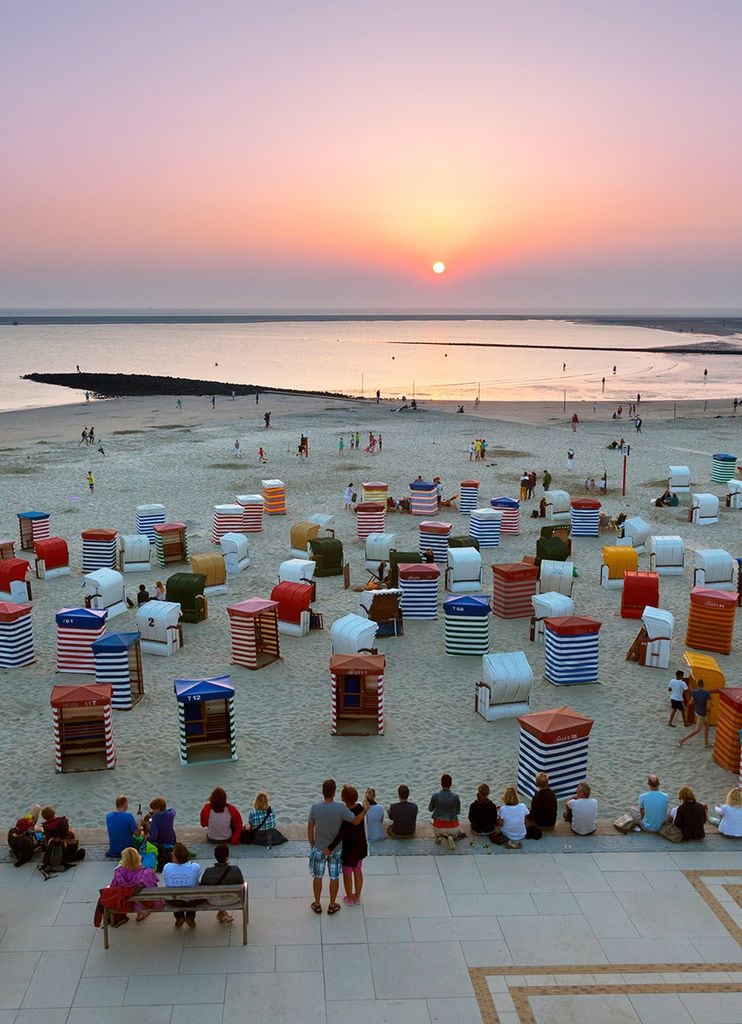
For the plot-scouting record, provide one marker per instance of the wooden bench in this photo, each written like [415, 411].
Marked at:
[201, 898]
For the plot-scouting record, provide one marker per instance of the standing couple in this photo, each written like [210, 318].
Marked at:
[337, 841]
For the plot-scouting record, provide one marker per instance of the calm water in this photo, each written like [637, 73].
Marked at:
[360, 357]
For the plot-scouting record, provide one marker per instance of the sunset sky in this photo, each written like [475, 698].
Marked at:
[561, 154]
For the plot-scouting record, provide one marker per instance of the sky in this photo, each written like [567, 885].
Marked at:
[554, 154]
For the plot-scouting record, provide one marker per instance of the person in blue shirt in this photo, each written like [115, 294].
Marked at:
[121, 826]
[701, 700]
[653, 806]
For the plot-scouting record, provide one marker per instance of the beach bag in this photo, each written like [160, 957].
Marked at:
[533, 832]
[269, 837]
[669, 830]
[246, 836]
[625, 823]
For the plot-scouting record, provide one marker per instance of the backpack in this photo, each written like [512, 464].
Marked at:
[59, 855]
[53, 860]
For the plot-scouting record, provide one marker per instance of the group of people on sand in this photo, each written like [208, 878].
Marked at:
[478, 449]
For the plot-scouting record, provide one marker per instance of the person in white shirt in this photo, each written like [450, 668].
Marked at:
[730, 814]
[676, 688]
[582, 811]
[511, 818]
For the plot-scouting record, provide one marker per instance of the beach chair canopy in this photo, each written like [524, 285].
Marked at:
[184, 587]
[465, 564]
[83, 695]
[379, 545]
[115, 642]
[658, 622]
[301, 534]
[328, 554]
[105, 583]
[353, 634]
[509, 677]
[12, 569]
[154, 618]
[552, 604]
[293, 599]
[296, 570]
[211, 565]
[205, 688]
[234, 543]
[53, 551]
[81, 618]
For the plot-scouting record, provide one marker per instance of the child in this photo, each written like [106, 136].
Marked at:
[91, 481]
[261, 455]
[353, 838]
[348, 497]
[146, 850]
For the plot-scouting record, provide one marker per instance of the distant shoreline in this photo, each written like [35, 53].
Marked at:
[717, 326]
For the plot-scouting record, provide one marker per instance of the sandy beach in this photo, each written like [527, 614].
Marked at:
[185, 460]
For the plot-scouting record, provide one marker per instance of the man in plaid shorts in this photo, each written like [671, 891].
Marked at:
[323, 824]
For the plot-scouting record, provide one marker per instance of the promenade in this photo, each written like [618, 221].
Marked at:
[616, 928]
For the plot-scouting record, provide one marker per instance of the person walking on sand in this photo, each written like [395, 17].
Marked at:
[83, 436]
[570, 459]
[358, 440]
[261, 455]
[603, 384]
[91, 481]
[676, 688]
[213, 401]
[237, 449]
[178, 404]
[100, 448]
[341, 445]
[87, 396]
[638, 424]
[267, 420]
[701, 700]
[575, 421]
[348, 497]
[91, 435]
[379, 440]
[547, 480]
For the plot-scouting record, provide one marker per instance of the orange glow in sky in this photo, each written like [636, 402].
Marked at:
[247, 158]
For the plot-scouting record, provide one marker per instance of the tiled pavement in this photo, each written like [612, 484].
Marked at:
[651, 934]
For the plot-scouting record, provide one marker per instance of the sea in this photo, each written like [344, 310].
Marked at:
[452, 360]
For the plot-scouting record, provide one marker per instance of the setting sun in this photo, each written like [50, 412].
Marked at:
[438, 267]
